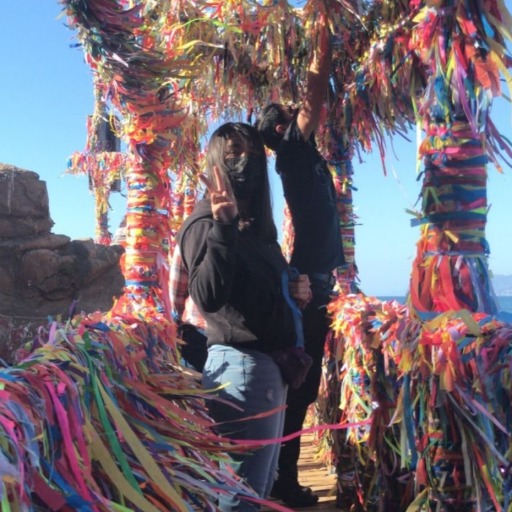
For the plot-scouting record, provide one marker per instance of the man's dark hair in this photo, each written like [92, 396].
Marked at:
[266, 122]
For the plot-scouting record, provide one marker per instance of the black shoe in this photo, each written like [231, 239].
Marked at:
[294, 495]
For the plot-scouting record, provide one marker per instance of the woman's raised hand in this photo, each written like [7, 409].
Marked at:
[224, 207]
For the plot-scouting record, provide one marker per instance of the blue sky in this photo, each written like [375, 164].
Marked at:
[46, 95]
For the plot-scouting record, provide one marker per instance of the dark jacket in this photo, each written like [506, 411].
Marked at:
[235, 280]
[310, 194]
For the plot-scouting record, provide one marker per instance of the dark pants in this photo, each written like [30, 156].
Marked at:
[316, 326]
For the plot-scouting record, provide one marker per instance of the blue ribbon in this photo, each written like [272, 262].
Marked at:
[288, 275]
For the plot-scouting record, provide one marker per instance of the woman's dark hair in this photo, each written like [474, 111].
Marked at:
[266, 122]
[215, 156]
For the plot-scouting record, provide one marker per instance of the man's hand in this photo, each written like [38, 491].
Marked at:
[322, 47]
[317, 81]
[300, 290]
[224, 207]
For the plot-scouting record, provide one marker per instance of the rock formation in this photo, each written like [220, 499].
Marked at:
[42, 274]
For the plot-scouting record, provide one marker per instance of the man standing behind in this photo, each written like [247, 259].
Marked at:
[317, 249]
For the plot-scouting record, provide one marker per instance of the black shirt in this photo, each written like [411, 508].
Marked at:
[311, 197]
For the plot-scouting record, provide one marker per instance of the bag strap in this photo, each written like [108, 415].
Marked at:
[287, 275]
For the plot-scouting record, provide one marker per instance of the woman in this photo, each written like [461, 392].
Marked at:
[229, 245]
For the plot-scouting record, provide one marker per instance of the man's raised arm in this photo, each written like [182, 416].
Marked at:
[317, 80]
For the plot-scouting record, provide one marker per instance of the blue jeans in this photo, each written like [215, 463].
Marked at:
[255, 385]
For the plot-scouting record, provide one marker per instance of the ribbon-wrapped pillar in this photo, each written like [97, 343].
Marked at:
[450, 272]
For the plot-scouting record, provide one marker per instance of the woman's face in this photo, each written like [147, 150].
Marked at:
[244, 168]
